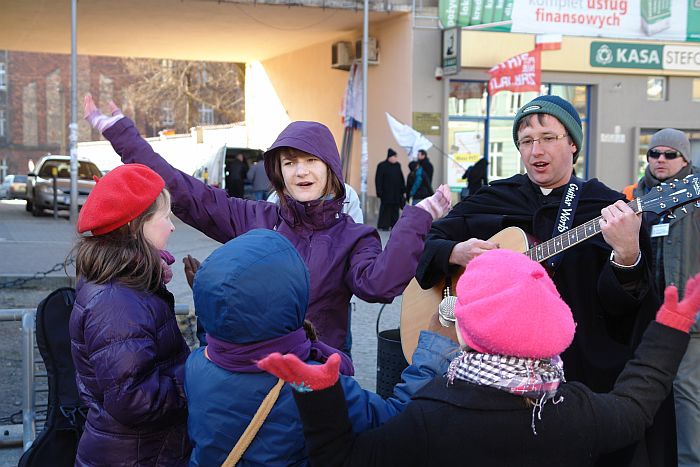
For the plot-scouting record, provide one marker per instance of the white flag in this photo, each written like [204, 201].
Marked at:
[408, 138]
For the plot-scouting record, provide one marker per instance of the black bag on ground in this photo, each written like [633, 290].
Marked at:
[57, 444]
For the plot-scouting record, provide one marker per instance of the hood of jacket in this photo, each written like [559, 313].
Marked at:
[253, 288]
[316, 139]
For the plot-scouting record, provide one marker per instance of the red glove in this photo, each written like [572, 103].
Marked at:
[302, 376]
[681, 315]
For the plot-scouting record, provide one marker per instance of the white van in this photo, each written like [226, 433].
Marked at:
[214, 171]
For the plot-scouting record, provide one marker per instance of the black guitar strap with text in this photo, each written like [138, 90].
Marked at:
[565, 217]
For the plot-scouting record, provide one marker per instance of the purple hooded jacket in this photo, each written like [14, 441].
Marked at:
[129, 357]
[344, 258]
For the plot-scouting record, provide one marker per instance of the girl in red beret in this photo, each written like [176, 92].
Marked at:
[127, 348]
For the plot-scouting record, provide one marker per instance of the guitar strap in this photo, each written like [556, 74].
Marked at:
[565, 217]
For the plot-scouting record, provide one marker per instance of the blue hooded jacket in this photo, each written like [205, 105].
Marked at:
[256, 288]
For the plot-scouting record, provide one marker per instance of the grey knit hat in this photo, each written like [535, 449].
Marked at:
[672, 138]
[557, 107]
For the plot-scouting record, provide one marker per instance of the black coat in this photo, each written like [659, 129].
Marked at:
[389, 183]
[465, 424]
[428, 168]
[476, 176]
[424, 188]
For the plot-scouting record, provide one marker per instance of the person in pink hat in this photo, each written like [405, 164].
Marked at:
[128, 351]
[504, 400]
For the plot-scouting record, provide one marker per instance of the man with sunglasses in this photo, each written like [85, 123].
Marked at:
[676, 257]
[605, 280]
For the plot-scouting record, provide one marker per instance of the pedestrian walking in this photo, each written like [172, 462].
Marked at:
[258, 178]
[390, 187]
[128, 351]
[476, 176]
[417, 183]
[236, 172]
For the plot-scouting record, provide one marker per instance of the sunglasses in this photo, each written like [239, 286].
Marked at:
[669, 155]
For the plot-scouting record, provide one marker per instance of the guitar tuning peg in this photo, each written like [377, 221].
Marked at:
[670, 216]
[684, 210]
[697, 204]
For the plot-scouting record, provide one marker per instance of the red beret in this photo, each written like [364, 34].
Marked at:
[118, 198]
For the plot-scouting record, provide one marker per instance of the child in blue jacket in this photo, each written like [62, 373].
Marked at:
[246, 319]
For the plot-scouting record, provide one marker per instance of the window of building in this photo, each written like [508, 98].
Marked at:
[168, 116]
[203, 76]
[3, 76]
[3, 123]
[696, 89]
[30, 126]
[656, 88]
[482, 125]
[54, 108]
[206, 115]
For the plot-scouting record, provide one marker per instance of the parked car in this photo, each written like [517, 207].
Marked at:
[39, 192]
[13, 187]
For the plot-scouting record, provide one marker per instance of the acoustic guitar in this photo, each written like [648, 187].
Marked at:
[419, 305]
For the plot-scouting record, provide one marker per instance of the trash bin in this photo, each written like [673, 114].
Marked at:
[390, 359]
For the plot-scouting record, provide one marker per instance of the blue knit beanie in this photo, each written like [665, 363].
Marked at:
[557, 107]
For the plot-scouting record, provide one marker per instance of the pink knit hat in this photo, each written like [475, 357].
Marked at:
[508, 305]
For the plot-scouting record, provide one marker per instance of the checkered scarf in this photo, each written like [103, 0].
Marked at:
[537, 379]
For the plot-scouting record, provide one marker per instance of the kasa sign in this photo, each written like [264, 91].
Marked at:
[644, 56]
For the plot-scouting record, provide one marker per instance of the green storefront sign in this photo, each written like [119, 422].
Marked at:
[626, 55]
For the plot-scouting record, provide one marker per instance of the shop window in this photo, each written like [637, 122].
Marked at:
[3, 122]
[3, 76]
[472, 123]
[466, 147]
[574, 94]
[656, 88]
[507, 104]
[467, 99]
[696, 89]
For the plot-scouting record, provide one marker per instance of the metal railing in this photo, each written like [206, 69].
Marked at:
[29, 373]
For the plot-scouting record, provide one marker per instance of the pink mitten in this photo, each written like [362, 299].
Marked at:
[96, 119]
[439, 204]
[681, 315]
[302, 376]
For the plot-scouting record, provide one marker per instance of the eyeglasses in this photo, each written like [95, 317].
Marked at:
[669, 155]
[546, 140]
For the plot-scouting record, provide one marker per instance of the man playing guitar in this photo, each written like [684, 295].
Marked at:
[605, 280]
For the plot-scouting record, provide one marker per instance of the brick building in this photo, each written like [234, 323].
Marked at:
[35, 103]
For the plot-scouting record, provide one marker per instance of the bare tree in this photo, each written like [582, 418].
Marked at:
[182, 94]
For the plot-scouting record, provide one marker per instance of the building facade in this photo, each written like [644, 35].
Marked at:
[35, 101]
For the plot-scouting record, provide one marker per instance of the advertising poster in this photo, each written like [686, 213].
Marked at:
[662, 20]
[468, 150]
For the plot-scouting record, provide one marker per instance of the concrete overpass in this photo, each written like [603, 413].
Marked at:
[286, 45]
[220, 30]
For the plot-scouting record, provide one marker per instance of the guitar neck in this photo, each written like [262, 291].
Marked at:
[556, 245]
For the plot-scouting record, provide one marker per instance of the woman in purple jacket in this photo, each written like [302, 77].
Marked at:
[343, 258]
[128, 351]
